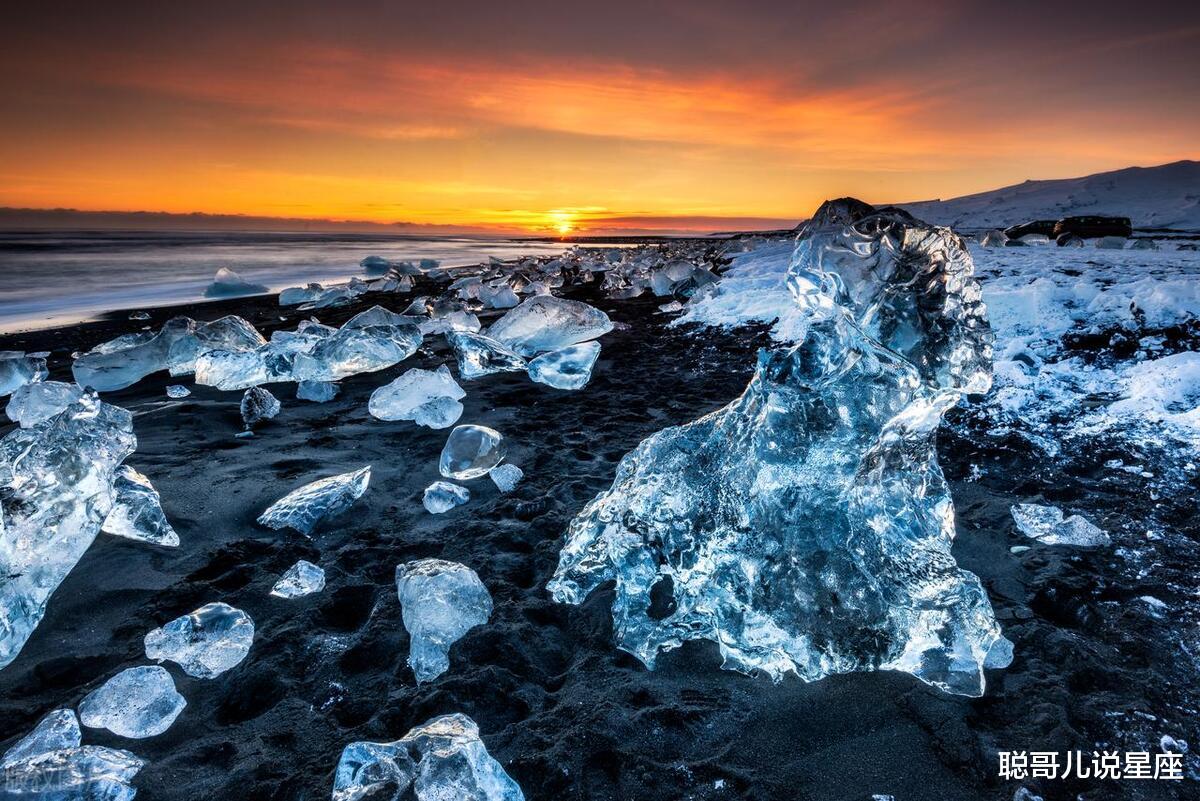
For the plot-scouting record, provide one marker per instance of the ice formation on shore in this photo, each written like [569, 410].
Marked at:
[440, 601]
[567, 368]
[302, 578]
[138, 702]
[1049, 526]
[18, 369]
[57, 480]
[470, 451]
[137, 512]
[807, 526]
[205, 643]
[477, 355]
[506, 477]
[52, 757]
[442, 496]
[442, 759]
[257, 405]
[32, 403]
[544, 323]
[303, 508]
[228, 284]
[427, 397]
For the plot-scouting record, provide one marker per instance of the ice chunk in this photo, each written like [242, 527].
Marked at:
[478, 355]
[568, 368]
[137, 511]
[32, 403]
[1047, 525]
[232, 370]
[138, 702]
[357, 350]
[470, 451]
[258, 405]
[57, 731]
[506, 477]
[228, 284]
[302, 578]
[429, 397]
[498, 297]
[230, 333]
[18, 369]
[442, 496]
[441, 601]
[176, 391]
[205, 643]
[376, 316]
[295, 295]
[317, 391]
[375, 265]
[443, 759]
[544, 323]
[57, 480]
[807, 526]
[303, 508]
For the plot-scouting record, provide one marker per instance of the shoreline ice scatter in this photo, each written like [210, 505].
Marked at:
[177, 391]
[206, 643]
[478, 355]
[1047, 525]
[443, 759]
[568, 368]
[317, 391]
[228, 284]
[442, 496]
[544, 322]
[302, 578]
[257, 405]
[798, 540]
[136, 703]
[18, 369]
[32, 403]
[440, 602]
[470, 451]
[51, 757]
[58, 479]
[506, 477]
[304, 508]
[137, 512]
[427, 397]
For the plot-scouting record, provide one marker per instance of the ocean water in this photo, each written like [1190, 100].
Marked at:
[50, 278]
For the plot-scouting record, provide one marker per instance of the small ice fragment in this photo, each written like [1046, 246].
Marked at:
[244, 435]
[1047, 525]
[227, 284]
[57, 731]
[32, 403]
[506, 476]
[139, 315]
[366, 768]
[544, 323]
[407, 397]
[51, 758]
[1022, 794]
[442, 496]
[302, 578]
[205, 643]
[440, 601]
[303, 508]
[137, 702]
[1169, 744]
[478, 355]
[375, 265]
[670, 308]
[177, 391]
[470, 451]
[317, 391]
[137, 511]
[568, 368]
[258, 405]
[18, 369]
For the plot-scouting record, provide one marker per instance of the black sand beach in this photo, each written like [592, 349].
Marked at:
[566, 714]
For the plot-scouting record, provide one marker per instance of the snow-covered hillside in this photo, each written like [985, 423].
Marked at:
[1167, 196]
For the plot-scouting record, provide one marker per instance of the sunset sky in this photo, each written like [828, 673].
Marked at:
[554, 115]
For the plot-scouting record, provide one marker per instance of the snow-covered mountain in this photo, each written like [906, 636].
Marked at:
[1167, 196]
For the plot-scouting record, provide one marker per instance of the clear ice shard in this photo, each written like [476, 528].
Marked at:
[302, 578]
[545, 322]
[470, 451]
[317, 391]
[1047, 525]
[137, 511]
[32, 403]
[477, 355]
[57, 487]
[442, 496]
[228, 284]
[443, 759]
[807, 526]
[568, 368]
[49, 764]
[205, 643]
[506, 477]
[357, 349]
[18, 369]
[138, 702]
[303, 508]
[410, 396]
[440, 602]
[177, 391]
[258, 405]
